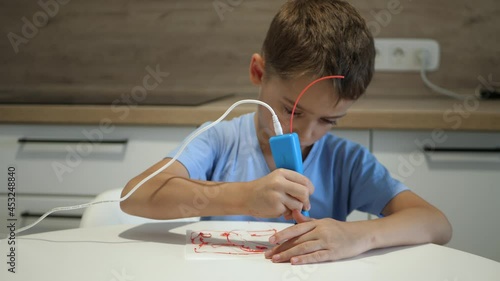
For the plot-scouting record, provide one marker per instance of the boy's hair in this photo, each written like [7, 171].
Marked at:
[320, 38]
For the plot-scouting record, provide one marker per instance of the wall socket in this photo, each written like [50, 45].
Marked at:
[399, 54]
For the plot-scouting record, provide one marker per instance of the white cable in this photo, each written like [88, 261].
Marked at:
[277, 128]
[424, 56]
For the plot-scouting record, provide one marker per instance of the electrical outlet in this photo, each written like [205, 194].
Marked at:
[398, 54]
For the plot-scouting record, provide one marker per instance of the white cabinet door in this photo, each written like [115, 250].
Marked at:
[362, 137]
[461, 177]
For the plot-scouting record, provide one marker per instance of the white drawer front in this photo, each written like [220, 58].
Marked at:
[81, 168]
[358, 136]
[463, 180]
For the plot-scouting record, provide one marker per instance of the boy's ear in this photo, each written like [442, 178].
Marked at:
[256, 69]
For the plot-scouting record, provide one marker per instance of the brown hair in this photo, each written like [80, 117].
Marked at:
[320, 38]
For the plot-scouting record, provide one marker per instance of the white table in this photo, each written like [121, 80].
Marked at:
[156, 251]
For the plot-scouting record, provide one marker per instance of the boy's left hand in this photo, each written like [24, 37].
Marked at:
[313, 241]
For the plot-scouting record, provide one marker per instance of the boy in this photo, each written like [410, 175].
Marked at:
[307, 39]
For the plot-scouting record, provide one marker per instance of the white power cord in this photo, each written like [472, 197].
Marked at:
[424, 59]
[277, 129]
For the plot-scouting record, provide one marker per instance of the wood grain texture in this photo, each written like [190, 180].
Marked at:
[92, 46]
[368, 113]
[466, 31]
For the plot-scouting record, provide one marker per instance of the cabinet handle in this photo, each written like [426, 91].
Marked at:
[59, 216]
[41, 140]
[462, 150]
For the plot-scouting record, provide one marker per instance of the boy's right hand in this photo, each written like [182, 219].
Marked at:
[277, 194]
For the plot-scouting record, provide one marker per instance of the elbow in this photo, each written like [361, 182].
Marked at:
[127, 205]
[446, 230]
[448, 233]
[135, 204]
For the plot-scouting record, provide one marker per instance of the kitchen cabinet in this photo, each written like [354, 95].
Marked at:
[59, 165]
[458, 172]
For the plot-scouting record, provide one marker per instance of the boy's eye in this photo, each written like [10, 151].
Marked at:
[289, 111]
[329, 122]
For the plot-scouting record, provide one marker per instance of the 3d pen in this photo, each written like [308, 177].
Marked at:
[287, 154]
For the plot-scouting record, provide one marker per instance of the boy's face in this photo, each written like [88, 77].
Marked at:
[315, 115]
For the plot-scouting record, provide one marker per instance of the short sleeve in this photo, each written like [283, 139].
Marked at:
[199, 155]
[371, 184]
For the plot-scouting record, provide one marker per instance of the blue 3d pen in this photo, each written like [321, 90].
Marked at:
[287, 154]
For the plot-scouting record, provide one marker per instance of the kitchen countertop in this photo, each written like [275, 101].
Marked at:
[367, 113]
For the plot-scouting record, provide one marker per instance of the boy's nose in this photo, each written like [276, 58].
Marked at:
[305, 134]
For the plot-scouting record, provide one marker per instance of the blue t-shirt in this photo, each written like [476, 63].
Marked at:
[346, 176]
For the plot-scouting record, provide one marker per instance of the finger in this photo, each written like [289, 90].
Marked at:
[291, 203]
[282, 247]
[297, 250]
[299, 217]
[297, 178]
[292, 232]
[290, 243]
[269, 253]
[298, 193]
[288, 215]
[314, 257]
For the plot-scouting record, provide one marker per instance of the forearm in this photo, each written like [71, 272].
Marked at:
[167, 196]
[410, 226]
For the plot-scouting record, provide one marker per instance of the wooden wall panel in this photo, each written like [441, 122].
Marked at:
[468, 34]
[92, 46]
